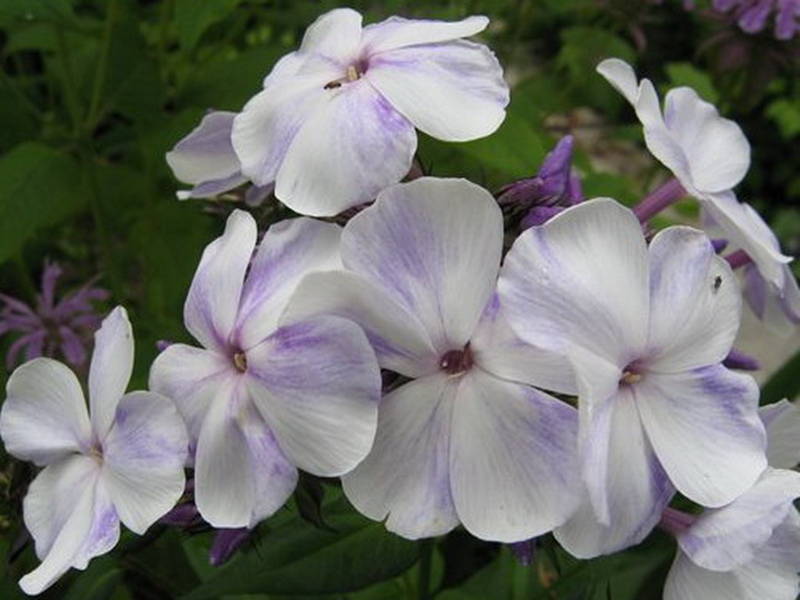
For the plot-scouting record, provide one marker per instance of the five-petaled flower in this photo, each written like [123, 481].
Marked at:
[264, 395]
[122, 461]
[334, 124]
[468, 440]
[645, 330]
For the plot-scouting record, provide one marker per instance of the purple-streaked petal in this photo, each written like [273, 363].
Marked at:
[513, 459]
[264, 130]
[206, 154]
[317, 384]
[746, 230]
[704, 427]
[695, 302]
[452, 91]
[143, 458]
[44, 416]
[717, 151]
[215, 187]
[288, 251]
[256, 194]
[60, 510]
[354, 145]
[580, 280]
[780, 307]
[241, 474]
[782, 421]
[637, 489]
[434, 246]
[110, 370]
[191, 377]
[729, 537]
[499, 351]
[397, 32]
[400, 341]
[405, 480]
[213, 300]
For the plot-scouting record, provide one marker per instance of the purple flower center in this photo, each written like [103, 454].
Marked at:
[240, 361]
[632, 374]
[455, 362]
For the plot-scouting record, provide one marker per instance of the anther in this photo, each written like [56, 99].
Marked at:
[630, 378]
[240, 361]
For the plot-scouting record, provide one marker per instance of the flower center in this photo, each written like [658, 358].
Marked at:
[456, 362]
[240, 361]
[353, 73]
[632, 374]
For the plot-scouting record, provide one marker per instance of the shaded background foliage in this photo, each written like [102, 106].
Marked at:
[94, 92]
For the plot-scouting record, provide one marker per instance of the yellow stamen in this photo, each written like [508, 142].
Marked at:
[240, 361]
[352, 73]
[629, 378]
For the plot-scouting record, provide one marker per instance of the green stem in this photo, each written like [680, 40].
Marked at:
[102, 64]
[425, 559]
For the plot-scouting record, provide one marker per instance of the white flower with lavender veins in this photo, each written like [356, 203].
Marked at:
[335, 121]
[468, 440]
[645, 330]
[122, 462]
[265, 396]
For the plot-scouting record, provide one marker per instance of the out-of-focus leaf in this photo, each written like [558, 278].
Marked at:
[786, 114]
[296, 558]
[689, 75]
[32, 10]
[39, 187]
[97, 582]
[783, 384]
[192, 18]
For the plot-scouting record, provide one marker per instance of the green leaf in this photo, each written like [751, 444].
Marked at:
[689, 75]
[786, 114]
[296, 558]
[783, 384]
[192, 18]
[98, 582]
[39, 187]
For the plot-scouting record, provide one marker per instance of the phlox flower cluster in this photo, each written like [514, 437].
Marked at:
[573, 384]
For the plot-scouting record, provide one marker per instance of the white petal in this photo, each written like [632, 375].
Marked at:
[621, 76]
[717, 151]
[143, 458]
[745, 229]
[241, 475]
[705, 430]
[264, 130]
[433, 245]
[405, 479]
[206, 154]
[354, 145]
[758, 580]
[731, 536]
[289, 250]
[513, 459]
[695, 302]
[778, 308]
[782, 420]
[191, 378]
[335, 35]
[453, 91]
[44, 417]
[580, 280]
[637, 489]
[397, 32]
[400, 341]
[224, 487]
[60, 510]
[499, 351]
[110, 371]
[213, 300]
[317, 384]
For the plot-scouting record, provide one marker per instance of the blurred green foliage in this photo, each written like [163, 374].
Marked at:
[94, 92]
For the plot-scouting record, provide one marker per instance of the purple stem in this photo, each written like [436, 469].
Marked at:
[659, 199]
[675, 522]
[738, 259]
[226, 543]
[741, 361]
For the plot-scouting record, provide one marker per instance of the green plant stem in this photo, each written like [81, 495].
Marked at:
[102, 67]
[425, 559]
